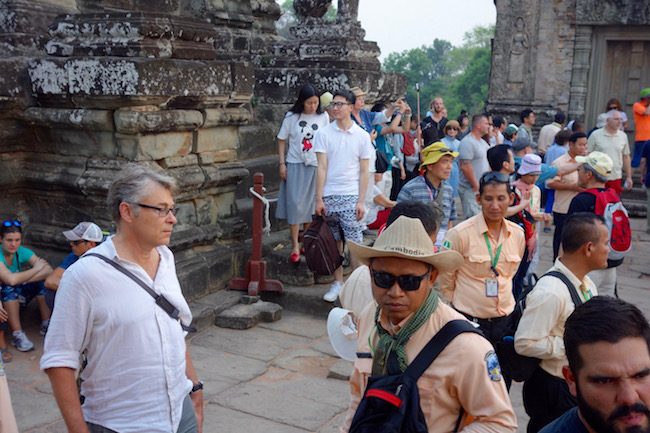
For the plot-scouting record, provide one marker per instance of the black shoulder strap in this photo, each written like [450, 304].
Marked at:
[572, 289]
[437, 344]
[161, 301]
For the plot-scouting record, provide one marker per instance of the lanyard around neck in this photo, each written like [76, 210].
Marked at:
[494, 259]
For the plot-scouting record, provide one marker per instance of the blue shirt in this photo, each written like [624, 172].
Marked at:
[68, 261]
[554, 152]
[567, 423]
[20, 260]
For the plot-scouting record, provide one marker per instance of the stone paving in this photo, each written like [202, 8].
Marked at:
[274, 377]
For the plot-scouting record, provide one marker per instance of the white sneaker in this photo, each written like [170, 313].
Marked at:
[22, 343]
[333, 292]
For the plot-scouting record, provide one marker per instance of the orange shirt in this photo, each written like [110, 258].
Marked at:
[466, 288]
[641, 122]
[459, 377]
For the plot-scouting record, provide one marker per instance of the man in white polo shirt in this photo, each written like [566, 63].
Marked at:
[139, 376]
[343, 149]
[613, 142]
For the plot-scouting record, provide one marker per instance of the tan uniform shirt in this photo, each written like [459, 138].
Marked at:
[614, 145]
[466, 288]
[7, 418]
[547, 136]
[356, 292]
[563, 197]
[459, 377]
[541, 329]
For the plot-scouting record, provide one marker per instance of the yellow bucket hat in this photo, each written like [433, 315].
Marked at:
[433, 152]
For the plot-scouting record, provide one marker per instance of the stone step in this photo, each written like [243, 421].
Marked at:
[636, 208]
[636, 193]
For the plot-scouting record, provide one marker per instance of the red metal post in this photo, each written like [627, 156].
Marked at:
[254, 280]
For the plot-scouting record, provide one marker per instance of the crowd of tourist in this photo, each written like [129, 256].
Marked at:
[459, 205]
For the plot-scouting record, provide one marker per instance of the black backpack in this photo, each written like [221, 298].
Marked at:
[321, 252]
[519, 367]
[391, 403]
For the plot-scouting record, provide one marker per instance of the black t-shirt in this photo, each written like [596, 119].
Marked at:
[432, 130]
[586, 202]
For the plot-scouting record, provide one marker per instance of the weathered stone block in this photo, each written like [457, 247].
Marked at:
[179, 161]
[186, 214]
[189, 178]
[154, 146]
[206, 212]
[93, 120]
[216, 139]
[224, 174]
[207, 158]
[136, 120]
[226, 116]
[76, 142]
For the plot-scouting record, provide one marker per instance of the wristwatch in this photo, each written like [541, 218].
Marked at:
[198, 386]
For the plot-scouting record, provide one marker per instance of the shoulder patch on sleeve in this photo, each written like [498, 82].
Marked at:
[493, 367]
[446, 244]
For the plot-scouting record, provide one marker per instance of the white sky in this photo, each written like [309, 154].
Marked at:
[397, 25]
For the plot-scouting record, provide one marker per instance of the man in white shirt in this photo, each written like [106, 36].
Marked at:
[139, 376]
[343, 149]
[614, 143]
[548, 132]
[585, 241]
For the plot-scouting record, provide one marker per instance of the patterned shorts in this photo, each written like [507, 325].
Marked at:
[22, 293]
[341, 209]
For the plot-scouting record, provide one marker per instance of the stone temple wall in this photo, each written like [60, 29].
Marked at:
[195, 87]
[550, 54]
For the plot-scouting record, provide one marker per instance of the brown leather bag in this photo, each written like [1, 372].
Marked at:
[321, 252]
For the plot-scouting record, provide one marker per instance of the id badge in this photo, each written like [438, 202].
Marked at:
[491, 288]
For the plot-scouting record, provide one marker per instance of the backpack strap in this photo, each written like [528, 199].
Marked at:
[161, 301]
[437, 344]
[572, 289]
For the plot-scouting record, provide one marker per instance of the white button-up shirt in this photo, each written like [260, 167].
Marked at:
[135, 380]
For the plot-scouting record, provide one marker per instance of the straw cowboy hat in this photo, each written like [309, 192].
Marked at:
[406, 238]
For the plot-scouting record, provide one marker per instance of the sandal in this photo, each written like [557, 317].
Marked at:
[7, 357]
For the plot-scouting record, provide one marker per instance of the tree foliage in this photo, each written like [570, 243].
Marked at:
[460, 75]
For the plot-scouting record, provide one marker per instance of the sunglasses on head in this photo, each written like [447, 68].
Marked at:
[11, 223]
[494, 176]
[408, 283]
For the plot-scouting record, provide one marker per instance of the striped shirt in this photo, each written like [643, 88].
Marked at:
[420, 189]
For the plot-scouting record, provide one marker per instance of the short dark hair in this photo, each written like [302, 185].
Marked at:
[378, 107]
[562, 137]
[477, 117]
[602, 319]
[559, 117]
[497, 155]
[497, 121]
[578, 229]
[576, 135]
[493, 178]
[578, 126]
[525, 113]
[428, 213]
[349, 96]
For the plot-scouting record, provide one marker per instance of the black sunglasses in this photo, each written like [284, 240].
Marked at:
[9, 223]
[408, 283]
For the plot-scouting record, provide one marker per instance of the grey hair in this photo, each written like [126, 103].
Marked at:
[132, 183]
[599, 177]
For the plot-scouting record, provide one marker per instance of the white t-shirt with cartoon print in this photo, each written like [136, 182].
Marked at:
[299, 130]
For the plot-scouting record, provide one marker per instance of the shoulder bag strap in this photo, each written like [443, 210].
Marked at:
[572, 289]
[436, 345]
[161, 301]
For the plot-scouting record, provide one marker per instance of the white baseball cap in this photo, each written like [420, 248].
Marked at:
[86, 231]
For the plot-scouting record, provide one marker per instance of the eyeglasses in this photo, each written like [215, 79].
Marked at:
[80, 241]
[10, 223]
[408, 283]
[338, 105]
[451, 128]
[494, 176]
[161, 211]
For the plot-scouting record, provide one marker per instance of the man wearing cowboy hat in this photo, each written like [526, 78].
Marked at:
[465, 377]
[431, 186]
[492, 248]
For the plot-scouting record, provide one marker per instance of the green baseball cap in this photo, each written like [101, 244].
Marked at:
[645, 93]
